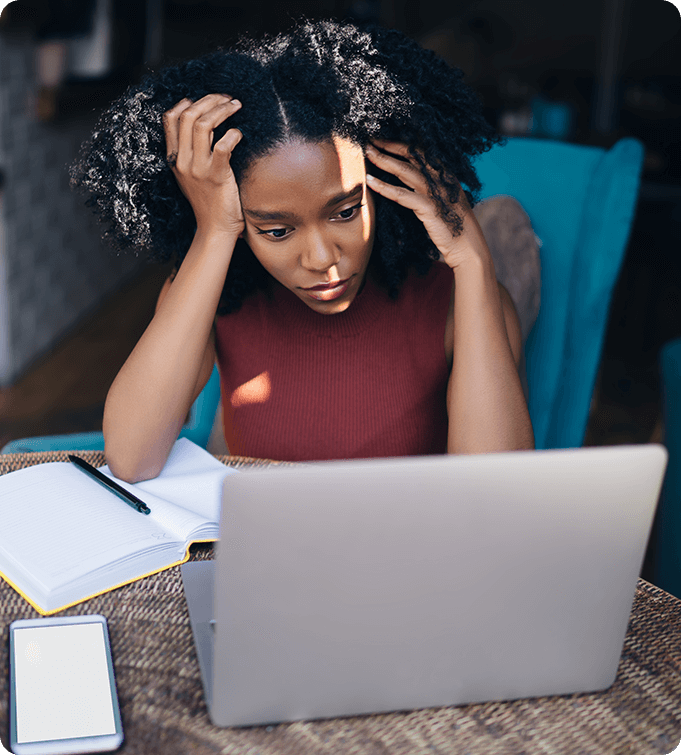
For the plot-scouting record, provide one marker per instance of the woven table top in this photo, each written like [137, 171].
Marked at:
[163, 708]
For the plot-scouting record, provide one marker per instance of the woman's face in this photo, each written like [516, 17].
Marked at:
[310, 220]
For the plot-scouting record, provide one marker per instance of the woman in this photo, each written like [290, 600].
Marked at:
[307, 187]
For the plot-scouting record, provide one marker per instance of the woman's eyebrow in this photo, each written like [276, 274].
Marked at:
[343, 195]
[274, 215]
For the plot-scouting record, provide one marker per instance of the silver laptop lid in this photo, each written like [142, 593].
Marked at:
[367, 586]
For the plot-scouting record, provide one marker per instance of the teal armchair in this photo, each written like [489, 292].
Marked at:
[581, 201]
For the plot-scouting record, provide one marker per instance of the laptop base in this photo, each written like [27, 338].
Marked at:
[198, 579]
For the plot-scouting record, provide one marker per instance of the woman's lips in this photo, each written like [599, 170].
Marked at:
[330, 291]
[325, 286]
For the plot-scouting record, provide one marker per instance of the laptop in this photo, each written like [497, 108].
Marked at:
[352, 587]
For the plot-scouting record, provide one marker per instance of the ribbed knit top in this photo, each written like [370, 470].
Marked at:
[371, 381]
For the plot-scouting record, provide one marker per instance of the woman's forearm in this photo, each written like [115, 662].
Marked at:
[151, 395]
[485, 401]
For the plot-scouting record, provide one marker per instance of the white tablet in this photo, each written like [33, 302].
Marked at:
[62, 687]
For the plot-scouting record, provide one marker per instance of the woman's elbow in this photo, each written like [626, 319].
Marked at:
[128, 467]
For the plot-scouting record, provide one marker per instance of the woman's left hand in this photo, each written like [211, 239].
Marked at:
[455, 250]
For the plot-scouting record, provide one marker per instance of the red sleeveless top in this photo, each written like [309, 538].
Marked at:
[370, 381]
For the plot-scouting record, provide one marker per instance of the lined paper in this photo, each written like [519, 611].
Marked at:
[59, 528]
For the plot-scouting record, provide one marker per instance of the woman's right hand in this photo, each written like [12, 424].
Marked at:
[203, 171]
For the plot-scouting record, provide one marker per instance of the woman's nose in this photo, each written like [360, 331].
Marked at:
[320, 253]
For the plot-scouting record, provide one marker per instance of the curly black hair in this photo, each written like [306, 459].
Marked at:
[321, 79]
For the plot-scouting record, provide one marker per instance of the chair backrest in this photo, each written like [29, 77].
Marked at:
[581, 202]
[667, 532]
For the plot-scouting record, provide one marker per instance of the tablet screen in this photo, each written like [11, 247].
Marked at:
[62, 684]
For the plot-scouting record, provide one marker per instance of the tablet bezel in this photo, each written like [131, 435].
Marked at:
[100, 743]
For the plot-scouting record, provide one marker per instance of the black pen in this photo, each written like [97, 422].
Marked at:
[113, 487]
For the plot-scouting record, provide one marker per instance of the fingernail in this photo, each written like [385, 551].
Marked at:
[236, 102]
[370, 178]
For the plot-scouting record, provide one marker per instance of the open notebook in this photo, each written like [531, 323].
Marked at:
[64, 538]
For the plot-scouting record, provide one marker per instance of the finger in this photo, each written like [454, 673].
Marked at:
[408, 173]
[171, 127]
[406, 197]
[187, 119]
[402, 150]
[222, 151]
[396, 148]
[205, 125]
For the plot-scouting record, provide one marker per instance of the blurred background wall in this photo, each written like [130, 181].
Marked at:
[588, 71]
[54, 267]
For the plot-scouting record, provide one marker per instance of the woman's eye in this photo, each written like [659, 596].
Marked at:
[275, 233]
[349, 212]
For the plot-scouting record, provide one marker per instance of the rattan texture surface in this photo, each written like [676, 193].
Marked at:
[163, 708]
